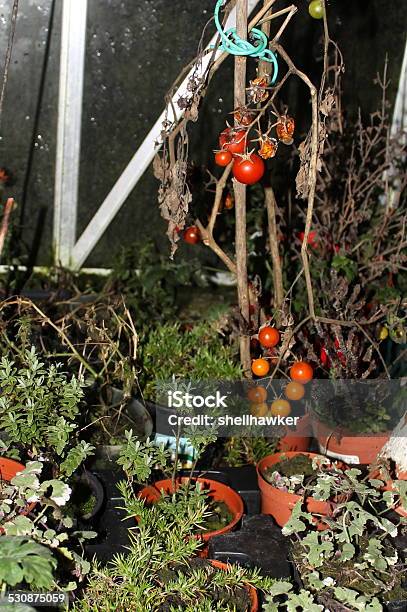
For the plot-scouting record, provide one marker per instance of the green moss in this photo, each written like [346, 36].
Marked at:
[294, 466]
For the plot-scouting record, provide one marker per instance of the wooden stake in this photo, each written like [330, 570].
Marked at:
[278, 289]
[240, 203]
[275, 255]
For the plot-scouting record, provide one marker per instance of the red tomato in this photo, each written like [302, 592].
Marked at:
[223, 158]
[248, 171]
[301, 372]
[260, 367]
[269, 336]
[233, 140]
[192, 235]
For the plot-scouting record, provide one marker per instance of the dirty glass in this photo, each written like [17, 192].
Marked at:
[135, 49]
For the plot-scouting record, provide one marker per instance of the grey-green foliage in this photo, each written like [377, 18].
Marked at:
[356, 550]
[39, 408]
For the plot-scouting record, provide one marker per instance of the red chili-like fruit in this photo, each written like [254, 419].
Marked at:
[248, 171]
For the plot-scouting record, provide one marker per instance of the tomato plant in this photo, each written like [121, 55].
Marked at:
[301, 372]
[269, 336]
[294, 391]
[260, 367]
[233, 141]
[192, 235]
[257, 395]
[223, 158]
[280, 407]
[248, 170]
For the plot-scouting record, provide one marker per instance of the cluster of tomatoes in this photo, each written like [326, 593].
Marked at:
[249, 168]
[301, 373]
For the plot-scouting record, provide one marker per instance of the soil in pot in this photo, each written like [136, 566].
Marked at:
[276, 499]
[291, 466]
[238, 598]
[219, 516]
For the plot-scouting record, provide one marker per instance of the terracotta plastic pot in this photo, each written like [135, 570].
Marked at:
[388, 486]
[300, 440]
[279, 503]
[254, 600]
[346, 446]
[217, 490]
[8, 469]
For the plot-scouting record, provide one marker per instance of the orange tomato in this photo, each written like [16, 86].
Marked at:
[301, 372]
[259, 410]
[294, 391]
[269, 336]
[257, 395]
[260, 367]
[280, 407]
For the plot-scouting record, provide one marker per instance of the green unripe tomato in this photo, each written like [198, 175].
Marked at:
[316, 10]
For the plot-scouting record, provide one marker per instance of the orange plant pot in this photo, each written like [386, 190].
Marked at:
[345, 446]
[388, 486]
[8, 469]
[300, 440]
[254, 600]
[217, 491]
[279, 503]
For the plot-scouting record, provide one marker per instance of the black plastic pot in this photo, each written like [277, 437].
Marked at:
[92, 482]
[259, 543]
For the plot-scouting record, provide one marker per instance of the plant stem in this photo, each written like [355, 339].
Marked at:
[240, 203]
[278, 288]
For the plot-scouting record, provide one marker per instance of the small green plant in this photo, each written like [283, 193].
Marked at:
[241, 450]
[150, 282]
[37, 533]
[39, 410]
[160, 573]
[199, 353]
